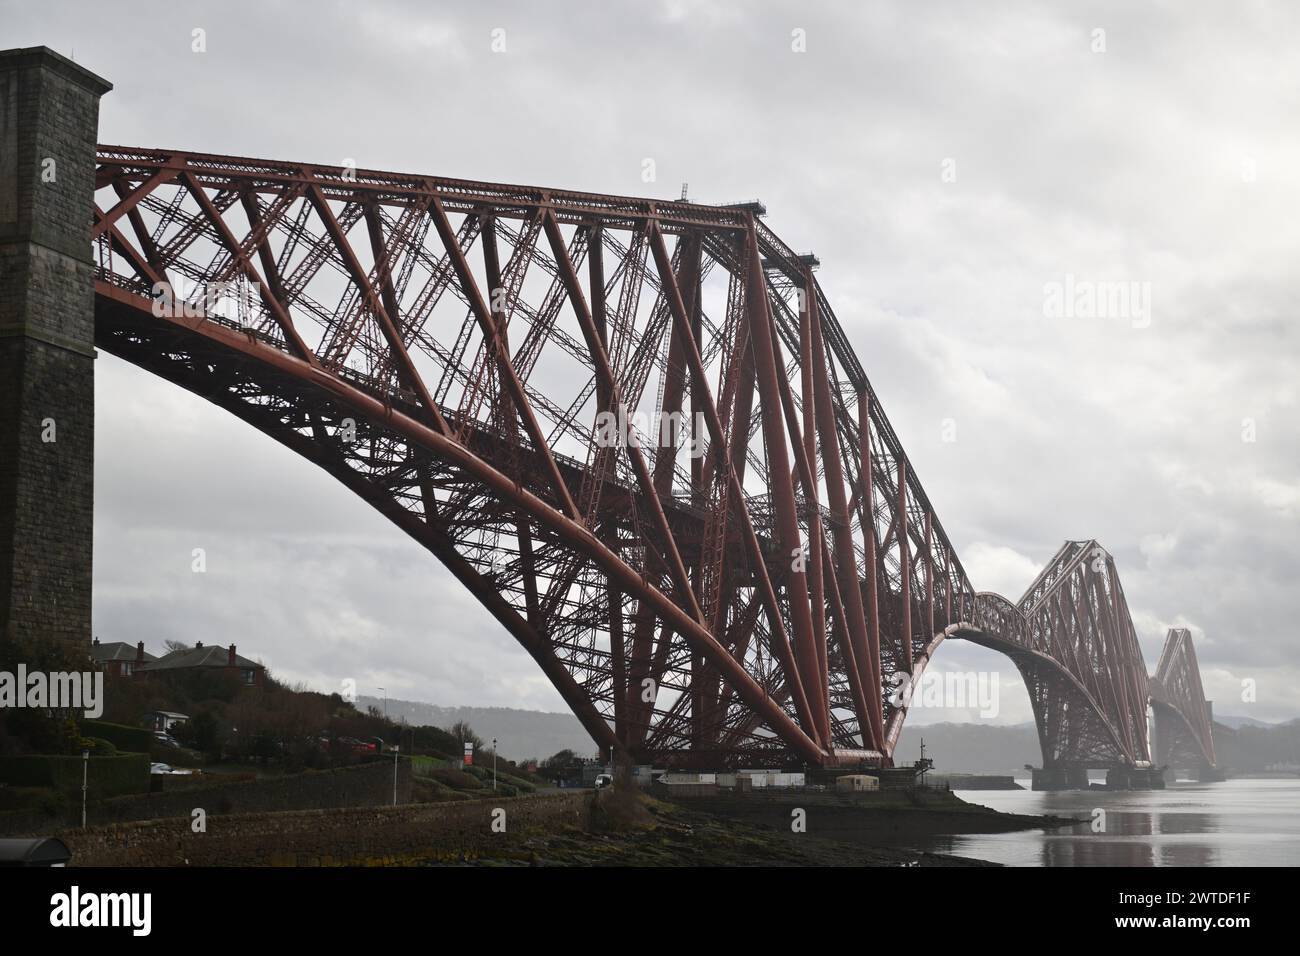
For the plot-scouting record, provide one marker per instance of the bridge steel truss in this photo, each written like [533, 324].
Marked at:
[1182, 717]
[1072, 638]
[633, 429]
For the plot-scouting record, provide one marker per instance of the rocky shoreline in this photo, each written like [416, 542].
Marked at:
[643, 831]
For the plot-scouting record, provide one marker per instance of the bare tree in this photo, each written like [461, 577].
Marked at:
[465, 734]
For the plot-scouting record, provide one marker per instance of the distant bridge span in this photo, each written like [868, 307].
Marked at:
[1183, 717]
[746, 585]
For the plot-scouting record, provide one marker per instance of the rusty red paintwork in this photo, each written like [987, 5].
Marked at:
[753, 603]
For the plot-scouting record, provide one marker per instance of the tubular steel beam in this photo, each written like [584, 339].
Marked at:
[718, 441]
[570, 531]
[754, 588]
[782, 489]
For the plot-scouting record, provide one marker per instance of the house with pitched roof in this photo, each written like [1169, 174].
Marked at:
[118, 658]
[212, 657]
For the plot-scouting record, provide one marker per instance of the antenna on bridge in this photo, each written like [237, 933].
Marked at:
[684, 187]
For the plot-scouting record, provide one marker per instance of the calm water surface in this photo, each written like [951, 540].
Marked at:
[1235, 823]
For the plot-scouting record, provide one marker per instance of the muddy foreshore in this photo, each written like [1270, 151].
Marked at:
[890, 817]
[743, 831]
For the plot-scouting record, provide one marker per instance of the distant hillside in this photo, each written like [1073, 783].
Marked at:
[972, 748]
[1234, 722]
[1249, 746]
[521, 734]
[1251, 749]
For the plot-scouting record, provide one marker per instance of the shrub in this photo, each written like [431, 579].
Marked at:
[23, 798]
[202, 732]
[504, 779]
[456, 779]
[424, 790]
[136, 740]
[32, 730]
[437, 740]
[520, 785]
[108, 776]
[52, 803]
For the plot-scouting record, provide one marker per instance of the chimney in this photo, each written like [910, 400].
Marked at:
[198, 644]
[231, 660]
[139, 652]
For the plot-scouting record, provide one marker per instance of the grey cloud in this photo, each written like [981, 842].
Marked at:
[1126, 165]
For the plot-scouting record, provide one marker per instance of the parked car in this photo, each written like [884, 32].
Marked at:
[604, 780]
[354, 746]
[163, 769]
[166, 739]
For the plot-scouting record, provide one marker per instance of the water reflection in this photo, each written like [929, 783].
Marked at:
[1096, 850]
[1235, 823]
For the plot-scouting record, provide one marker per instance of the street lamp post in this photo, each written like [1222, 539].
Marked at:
[85, 776]
[395, 750]
[494, 765]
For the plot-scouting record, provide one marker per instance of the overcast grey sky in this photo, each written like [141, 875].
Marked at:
[946, 162]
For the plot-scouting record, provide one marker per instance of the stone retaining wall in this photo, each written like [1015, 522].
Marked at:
[365, 836]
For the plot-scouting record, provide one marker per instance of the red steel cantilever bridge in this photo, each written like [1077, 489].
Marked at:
[738, 570]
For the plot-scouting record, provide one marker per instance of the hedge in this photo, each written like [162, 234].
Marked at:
[455, 779]
[136, 740]
[516, 784]
[107, 776]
